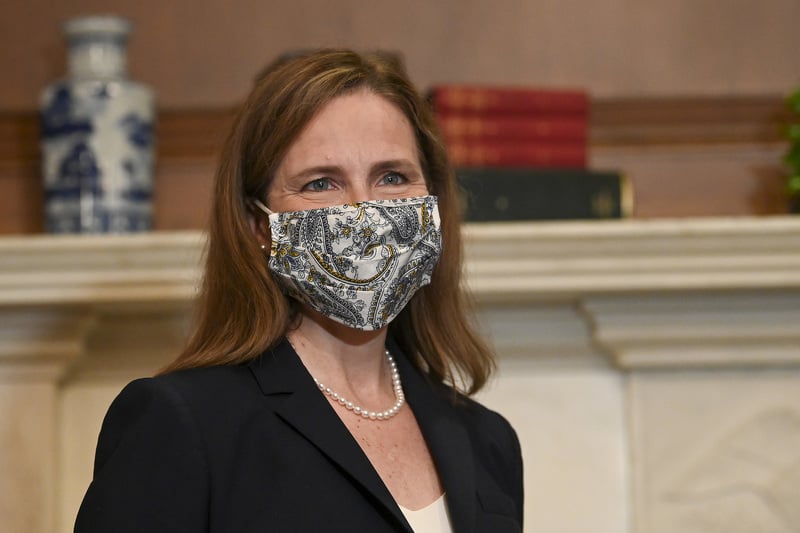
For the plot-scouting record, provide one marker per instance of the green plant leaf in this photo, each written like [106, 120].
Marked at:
[793, 101]
[792, 158]
[793, 185]
[793, 132]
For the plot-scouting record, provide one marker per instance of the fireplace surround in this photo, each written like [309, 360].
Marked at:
[650, 367]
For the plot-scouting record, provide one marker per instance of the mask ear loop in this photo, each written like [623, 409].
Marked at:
[265, 209]
[261, 206]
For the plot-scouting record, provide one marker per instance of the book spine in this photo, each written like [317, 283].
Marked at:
[496, 194]
[477, 99]
[518, 154]
[456, 126]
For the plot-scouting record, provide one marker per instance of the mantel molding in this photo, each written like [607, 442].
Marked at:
[570, 260]
[506, 262]
[57, 270]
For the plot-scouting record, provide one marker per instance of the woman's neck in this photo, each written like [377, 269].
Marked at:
[342, 357]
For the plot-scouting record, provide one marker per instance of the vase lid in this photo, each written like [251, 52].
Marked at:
[97, 25]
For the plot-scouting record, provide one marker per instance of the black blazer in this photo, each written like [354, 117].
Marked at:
[257, 448]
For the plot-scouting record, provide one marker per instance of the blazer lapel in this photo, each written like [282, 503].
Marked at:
[295, 398]
[448, 442]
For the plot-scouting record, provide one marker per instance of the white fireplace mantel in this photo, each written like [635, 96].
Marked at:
[505, 261]
[578, 259]
[80, 315]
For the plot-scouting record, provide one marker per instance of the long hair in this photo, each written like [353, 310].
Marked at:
[241, 310]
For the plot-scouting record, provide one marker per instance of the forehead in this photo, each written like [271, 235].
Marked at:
[362, 117]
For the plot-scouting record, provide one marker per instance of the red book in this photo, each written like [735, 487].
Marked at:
[512, 127]
[518, 154]
[508, 100]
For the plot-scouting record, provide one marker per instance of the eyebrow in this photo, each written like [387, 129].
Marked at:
[322, 169]
[405, 165]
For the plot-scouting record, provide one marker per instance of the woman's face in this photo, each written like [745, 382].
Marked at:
[358, 147]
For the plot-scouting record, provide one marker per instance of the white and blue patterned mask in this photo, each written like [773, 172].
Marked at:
[358, 264]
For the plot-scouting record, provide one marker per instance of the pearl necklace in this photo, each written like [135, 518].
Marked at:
[400, 398]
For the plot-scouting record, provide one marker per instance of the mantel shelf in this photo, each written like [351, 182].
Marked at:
[505, 261]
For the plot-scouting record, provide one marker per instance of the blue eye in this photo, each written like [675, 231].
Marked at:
[318, 185]
[393, 178]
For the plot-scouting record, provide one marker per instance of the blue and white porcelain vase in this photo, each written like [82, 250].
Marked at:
[97, 136]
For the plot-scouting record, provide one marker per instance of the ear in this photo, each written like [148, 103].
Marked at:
[259, 225]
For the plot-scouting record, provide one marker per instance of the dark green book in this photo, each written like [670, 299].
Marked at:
[503, 194]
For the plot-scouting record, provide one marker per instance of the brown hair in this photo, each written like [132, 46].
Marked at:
[241, 310]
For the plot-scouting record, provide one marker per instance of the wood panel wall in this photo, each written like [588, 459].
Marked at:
[686, 94]
[685, 157]
[204, 54]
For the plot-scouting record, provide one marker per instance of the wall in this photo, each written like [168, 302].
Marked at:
[686, 97]
[204, 53]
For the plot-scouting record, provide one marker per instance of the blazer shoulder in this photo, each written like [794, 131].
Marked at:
[203, 398]
[150, 467]
[213, 396]
[496, 447]
[194, 381]
[488, 427]
[477, 417]
[183, 398]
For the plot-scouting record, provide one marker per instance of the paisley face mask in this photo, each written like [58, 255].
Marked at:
[358, 264]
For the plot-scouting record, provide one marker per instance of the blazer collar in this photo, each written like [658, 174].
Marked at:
[295, 398]
[286, 382]
[447, 439]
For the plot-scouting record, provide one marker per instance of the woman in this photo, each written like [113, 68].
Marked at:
[318, 390]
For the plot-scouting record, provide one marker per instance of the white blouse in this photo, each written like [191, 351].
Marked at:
[430, 519]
